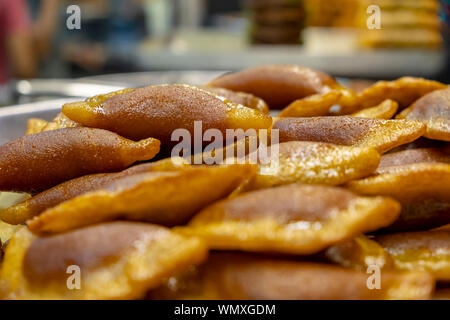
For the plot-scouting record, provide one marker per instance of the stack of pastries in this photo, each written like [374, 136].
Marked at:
[357, 207]
[404, 24]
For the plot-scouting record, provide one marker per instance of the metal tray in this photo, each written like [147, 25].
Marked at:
[13, 120]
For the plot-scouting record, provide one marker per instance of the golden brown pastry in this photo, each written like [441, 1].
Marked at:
[35, 125]
[420, 251]
[313, 163]
[409, 156]
[157, 111]
[434, 110]
[381, 135]
[21, 212]
[419, 179]
[280, 85]
[237, 276]
[40, 161]
[359, 253]
[404, 90]
[246, 99]
[419, 144]
[116, 260]
[297, 219]
[167, 198]
[311, 106]
[384, 110]
[59, 122]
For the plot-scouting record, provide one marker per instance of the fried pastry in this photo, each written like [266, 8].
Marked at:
[420, 251]
[434, 110]
[379, 134]
[359, 253]
[420, 144]
[21, 212]
[296, 219]
[314, 163]
[280, 85]
[384, 110]
[420, 184]
[60, 122]
[157, 111]
[237, 276]
[409, 156]
[404, 90]
[245, 99]
[311, 106]
[40, 161]
[35, 125]
[167, 198]
[116, 260]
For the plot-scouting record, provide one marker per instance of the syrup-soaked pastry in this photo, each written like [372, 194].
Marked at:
[21, 212]
[420, 251]
[297, 219]
[167, 198]
[384, 110]
[420, 180]
[313, 163]
[235, 151]
[246, 99]
[40, 161]
[434, 110]
[409, 156]
[404, 90]
[419, 144]
[280, 85]
[379, 134]
[157, 111]
[116, 260]
[35, 125]
[59, 122]
[239, 276]
[359, 253]
[315, 105]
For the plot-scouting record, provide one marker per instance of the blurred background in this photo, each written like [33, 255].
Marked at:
[121, 43]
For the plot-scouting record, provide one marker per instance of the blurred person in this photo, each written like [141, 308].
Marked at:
[23, 43]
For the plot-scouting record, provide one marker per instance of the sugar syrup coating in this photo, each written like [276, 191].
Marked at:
[165, 198]
[37, 162]
[295, 219]
[157, 111]
[379, 134]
